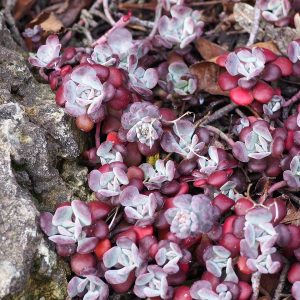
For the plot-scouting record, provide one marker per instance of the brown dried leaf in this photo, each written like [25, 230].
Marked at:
[22, 7]
[243, 14]
[207, 74]
[208, 49]
[292, 216]
[268, 45]
[48, 21]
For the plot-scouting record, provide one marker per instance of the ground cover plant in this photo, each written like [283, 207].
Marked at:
[194, 168]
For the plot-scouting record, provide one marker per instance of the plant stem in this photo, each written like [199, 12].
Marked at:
[97, 135]
[255, 25]
[281, 282]
[255, 279]
[107, 13]
[276, 186]
[292, 100]
[221, 134]
[158, 12]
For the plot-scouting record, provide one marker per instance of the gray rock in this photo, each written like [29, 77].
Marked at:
[37, 140]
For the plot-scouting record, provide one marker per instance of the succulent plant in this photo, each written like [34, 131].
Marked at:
[183, 140]
[138, 207]
[249, 63]
[216, 258]
[183, 28]
[228, 189]
[108, 184]
[65, 227]
[259, 232]
[257, 144]
[273, 106]
[141, 123]
[203, 290]
[191, 215]
[33, 33]
[85, 94]
[109, 152]
[275, 10]
[118, 46]
[121, 260]
[157, 175]
[264, 263]
[153, 284]
[294, 51]
[169, 255]
[168, 3]
[47, 55]
[292, 176]
[209, 165]
[92, 287]
[296, 290]
[141, 80]
[179, 79]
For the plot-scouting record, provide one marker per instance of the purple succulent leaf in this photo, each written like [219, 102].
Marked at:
[231, 64]
[62, 240]
[116, 276]
[82, 212]
[239, 151]
[170, 145]
[87, 76]
[94, 180]
[294, 51]
[249, 233]
[248, 251]
[296, 290]
[46, 224]
[258, 216]
[73, 286]
[62, 215]
[230, 274]
[87, 245]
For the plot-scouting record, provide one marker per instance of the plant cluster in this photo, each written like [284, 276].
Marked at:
[172, 216]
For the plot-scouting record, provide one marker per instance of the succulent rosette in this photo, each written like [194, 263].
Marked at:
[292, 176]
[84, 93]
[138, 207]
[47, 55]
[156, 175]
[65, 227]
[141, 123]
[121, 260]
[109, 152]
[183, 140]
[191, 215]
[169, 255]
[257, 144]
[107, 184]
[247, 63]
[180, 81]
[92, 287]
[275, 11]
[182, 28]
[153, 284]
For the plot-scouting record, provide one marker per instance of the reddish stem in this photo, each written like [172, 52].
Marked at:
[276, 186]
[292, 100]
[97, 134]
[43, 74]
[123, 21]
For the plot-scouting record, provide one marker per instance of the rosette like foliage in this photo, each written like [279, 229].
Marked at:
[259, 233]
[141, 123]
[141, 80]
[292, 176]
[180, 81]
[92, 287]
[65, 227]
[116, 49]
[85, 94]
[203, 290]
[107, 184]
[264, 263]
[257, 144]
[169, 255]
[191, 215]
[121, 260]
[48, 55]
[157, 175]
[273, 106]
[182, 28]
[248, 63]
[138, 208]
[209, 165]
[153, 284]
[294, 51]
[275, 11]
[109, 152]
[183, 140]
[216, 258]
